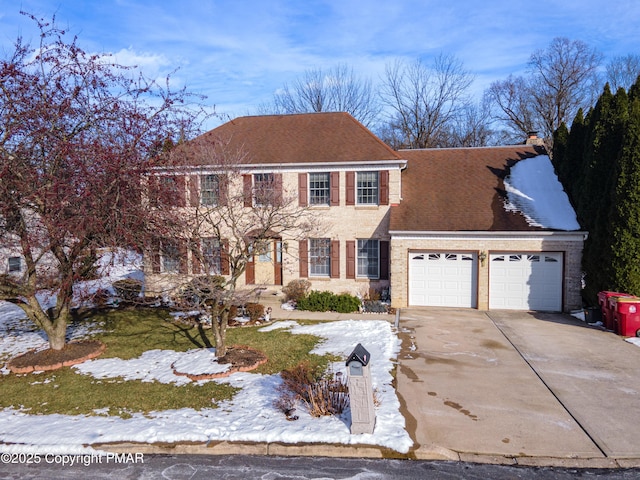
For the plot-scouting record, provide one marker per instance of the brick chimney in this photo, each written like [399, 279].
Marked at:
[533, 139]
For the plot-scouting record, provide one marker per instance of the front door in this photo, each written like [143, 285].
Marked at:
[266, 268]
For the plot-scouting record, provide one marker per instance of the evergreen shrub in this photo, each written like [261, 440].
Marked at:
[317, 301]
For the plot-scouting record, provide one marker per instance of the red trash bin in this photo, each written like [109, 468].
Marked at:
[608, 310]
[627, 316]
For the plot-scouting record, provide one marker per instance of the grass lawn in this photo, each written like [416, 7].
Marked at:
[129, 332]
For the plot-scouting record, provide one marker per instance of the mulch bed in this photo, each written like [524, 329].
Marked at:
[241, 358]
[43, 360]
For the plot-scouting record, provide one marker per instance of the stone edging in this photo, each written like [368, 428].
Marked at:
[55, 366]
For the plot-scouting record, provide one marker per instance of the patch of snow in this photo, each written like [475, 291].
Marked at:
[200, 361]
[289, 306]
[634, 340]
[579, 314]
[278, 325]
[534, 190]
[151, 366]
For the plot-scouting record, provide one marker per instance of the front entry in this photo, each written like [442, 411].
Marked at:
[266, 267]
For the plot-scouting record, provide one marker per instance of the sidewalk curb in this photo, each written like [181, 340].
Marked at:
[431, 452]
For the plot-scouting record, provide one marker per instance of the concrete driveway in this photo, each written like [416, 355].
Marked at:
[519, 387]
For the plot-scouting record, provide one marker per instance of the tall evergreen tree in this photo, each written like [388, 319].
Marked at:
[626, 217]
[559, 157]
[574, 157]
[591, 159]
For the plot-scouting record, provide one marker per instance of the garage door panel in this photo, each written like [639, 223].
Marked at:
[447, 279]
[526, 281]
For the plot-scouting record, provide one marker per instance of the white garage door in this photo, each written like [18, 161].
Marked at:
[520, 281]
[446, 279]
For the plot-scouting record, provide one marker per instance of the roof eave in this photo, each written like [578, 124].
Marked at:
[355, 165]
[557, 234]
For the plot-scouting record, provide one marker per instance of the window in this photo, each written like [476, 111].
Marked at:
[264, 189]
[320, 257]
[368, 258]
[170, 257]
[15, 264]
[265, 253]
[211, 252]
[367, 188]
[209, 189]
[319, 193]
[171, 191]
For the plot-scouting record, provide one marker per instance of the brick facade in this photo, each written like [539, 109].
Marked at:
[429, 200]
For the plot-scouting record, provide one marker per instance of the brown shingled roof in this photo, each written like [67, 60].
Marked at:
[458, 189]
[300, 138]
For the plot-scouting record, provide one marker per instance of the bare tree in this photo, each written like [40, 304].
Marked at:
[472, 128]
[335, 90]
[564, 80]
[76, 134]
[560, 80]
[623, 71]
[513, 107]
[230, 220]
[424, 100]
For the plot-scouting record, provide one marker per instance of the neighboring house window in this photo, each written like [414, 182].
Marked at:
[319, 257]
[319, 189]
[367, 188]
[15, 264]
[368, 258]
[170, 257]
[209, 189]
[211, 256]
[263, 188]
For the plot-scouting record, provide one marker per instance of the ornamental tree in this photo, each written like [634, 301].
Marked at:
[226, 221]
[76, 134]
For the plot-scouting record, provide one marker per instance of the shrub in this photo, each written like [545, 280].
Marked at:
[296, 289]
[322, 394]
[345, 303]
[316, 301]
[128, 289]
[372, 294]
[255, 311]
[374, 306]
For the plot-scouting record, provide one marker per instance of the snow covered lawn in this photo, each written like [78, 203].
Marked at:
[249, 416]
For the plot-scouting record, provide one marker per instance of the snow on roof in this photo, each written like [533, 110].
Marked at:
[534, 190]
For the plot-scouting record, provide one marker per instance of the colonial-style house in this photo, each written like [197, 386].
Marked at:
[342, 173]
[432, 227]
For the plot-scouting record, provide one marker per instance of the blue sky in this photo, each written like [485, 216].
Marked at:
[239, 52]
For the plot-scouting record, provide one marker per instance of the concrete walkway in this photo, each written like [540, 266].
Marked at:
[518, 387]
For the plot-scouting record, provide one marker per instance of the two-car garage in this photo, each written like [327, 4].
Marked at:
[516, 280]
